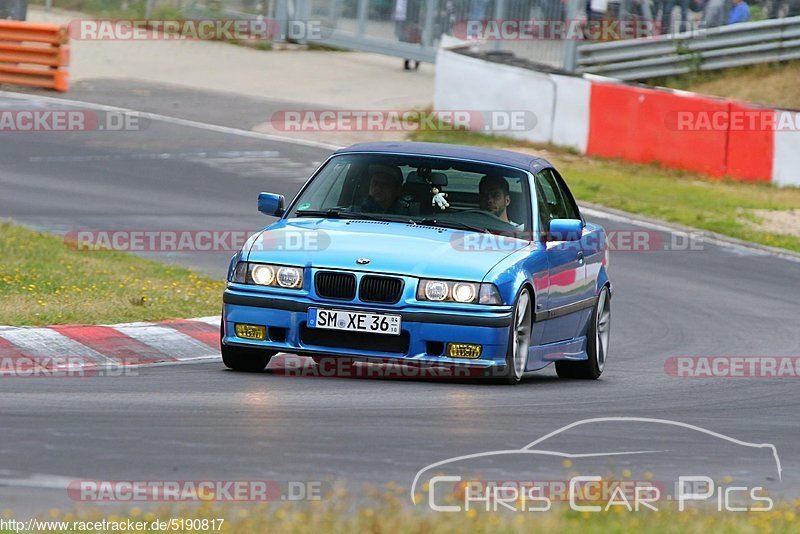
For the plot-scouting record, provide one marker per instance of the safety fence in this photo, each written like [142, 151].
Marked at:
[627, 39]
[703, 50]
[34, 55]
[605, 117]
[411, 29]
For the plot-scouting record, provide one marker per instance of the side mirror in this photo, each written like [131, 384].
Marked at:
[565, 230]
[270, 204]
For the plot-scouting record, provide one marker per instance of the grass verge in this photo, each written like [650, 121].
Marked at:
[44, 281]
[676, 196]
[392, 514]
[772, 84]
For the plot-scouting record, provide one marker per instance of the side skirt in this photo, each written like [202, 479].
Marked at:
[540, 356]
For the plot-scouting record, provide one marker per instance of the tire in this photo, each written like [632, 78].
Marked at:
[519, 339]
[596, 344]
[244, 359]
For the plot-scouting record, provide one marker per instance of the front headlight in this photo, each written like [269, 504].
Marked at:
[264, 274]
[462, 292]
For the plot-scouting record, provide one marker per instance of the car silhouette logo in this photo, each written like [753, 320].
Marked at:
[363, 261]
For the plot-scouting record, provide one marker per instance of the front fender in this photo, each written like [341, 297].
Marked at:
[525, 266]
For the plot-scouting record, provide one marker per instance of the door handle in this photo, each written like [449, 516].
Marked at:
[580, 257]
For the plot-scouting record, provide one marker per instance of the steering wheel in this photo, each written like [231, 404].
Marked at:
[488, 215]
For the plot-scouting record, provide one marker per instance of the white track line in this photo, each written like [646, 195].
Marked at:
[698, 234]
[173, 120]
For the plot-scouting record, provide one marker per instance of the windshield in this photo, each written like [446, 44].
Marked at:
[428, 190]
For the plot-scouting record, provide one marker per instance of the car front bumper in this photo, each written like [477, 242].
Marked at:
[424, 337]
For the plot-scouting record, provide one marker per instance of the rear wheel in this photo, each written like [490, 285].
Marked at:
[244, 359]
[519, 340]
[596, 345]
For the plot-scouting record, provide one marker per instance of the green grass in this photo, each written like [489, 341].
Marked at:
[44, 281]
[772, 84]
[676, 196]
[392, 513]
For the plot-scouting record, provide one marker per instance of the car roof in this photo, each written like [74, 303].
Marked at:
[526, 162]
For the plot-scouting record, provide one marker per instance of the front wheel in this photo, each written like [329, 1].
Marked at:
[519, 340]
[596, 345]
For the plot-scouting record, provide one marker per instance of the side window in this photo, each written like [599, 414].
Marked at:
[571, 207]
[554, 199]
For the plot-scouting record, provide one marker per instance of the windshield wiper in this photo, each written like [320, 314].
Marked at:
[334, 213]
[454, 224]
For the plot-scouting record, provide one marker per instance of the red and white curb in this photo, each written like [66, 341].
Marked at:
[97, 346]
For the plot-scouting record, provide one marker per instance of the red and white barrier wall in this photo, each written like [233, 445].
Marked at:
[603, 117]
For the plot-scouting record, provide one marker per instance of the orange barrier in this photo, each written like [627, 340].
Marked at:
[34, 55]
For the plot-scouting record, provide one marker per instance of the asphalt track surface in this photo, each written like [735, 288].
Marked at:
[199, 421]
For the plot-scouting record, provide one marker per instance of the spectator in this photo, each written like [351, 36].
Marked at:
[714, 14]
[407, 27]
[697, 8]
[666, 16]
[740, 12]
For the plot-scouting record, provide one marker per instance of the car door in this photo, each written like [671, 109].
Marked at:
[567, 284]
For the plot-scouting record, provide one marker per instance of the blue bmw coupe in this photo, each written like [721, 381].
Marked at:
[424, 253]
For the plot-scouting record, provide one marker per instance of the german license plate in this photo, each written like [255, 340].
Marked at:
[354, 321]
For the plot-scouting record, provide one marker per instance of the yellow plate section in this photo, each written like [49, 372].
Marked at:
[463, 350]
[250, 331]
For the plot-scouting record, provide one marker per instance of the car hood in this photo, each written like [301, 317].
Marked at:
[396, 248]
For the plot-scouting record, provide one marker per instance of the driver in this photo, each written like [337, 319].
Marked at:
[385, 191]
[495, 197]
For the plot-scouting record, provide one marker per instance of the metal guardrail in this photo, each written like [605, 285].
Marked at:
[736, 45]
